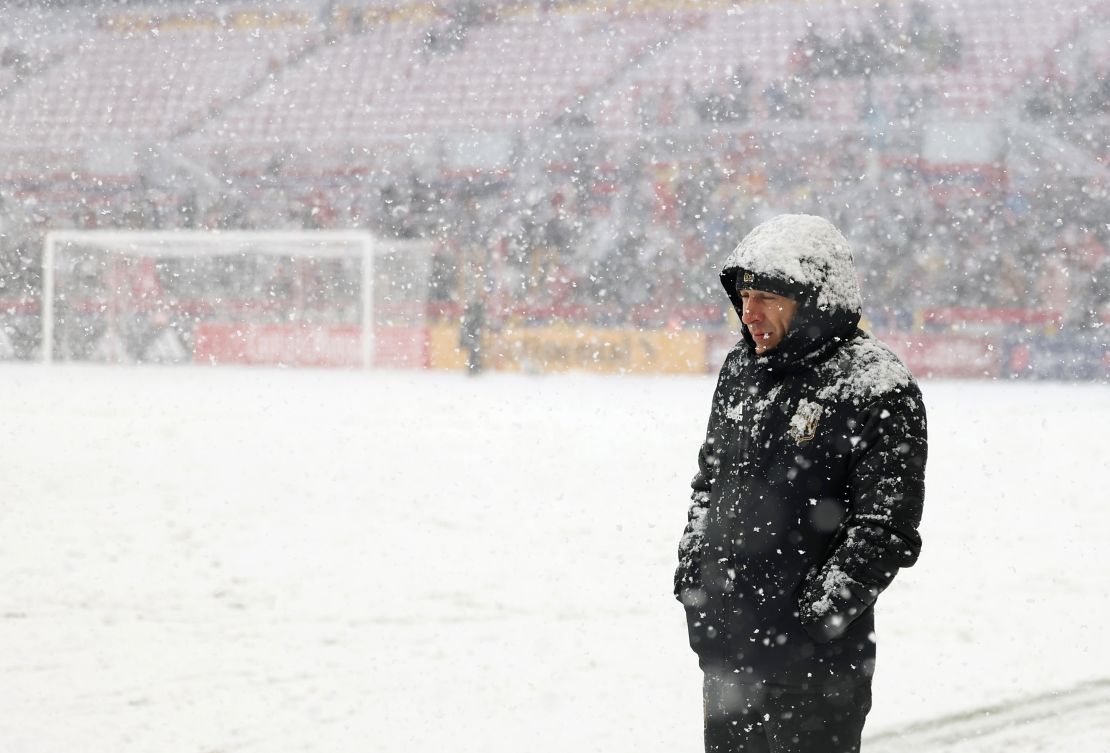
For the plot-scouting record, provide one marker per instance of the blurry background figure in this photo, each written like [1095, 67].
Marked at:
[471, 329]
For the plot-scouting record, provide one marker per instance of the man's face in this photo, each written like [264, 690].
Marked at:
[767, 317]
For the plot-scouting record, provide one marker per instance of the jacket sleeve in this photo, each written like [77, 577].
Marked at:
[885, 495]
[687, 576]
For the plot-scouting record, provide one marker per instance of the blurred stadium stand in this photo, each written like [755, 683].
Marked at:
[590, 163]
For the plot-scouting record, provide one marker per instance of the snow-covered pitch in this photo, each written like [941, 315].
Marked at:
[200, 559]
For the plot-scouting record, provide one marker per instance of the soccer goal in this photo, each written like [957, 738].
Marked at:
[296, 298]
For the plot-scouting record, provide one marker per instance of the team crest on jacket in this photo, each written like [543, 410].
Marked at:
[803, 426]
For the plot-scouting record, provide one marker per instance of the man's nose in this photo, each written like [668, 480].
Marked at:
[751, 314]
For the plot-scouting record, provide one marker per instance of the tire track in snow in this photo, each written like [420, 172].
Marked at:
[1076, 720]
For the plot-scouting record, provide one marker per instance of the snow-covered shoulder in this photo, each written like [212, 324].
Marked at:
[863, 371]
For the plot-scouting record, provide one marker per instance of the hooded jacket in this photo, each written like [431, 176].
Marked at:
[810, 481]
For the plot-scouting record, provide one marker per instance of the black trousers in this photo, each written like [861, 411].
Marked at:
[742, 718]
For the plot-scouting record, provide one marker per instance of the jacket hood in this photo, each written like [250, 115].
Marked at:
[804, 258]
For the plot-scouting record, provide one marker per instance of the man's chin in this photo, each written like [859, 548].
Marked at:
[763, 346]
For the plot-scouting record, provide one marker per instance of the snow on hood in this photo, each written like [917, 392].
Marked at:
[799, 251]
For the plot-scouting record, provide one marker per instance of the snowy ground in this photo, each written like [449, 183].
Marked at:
[205, 560]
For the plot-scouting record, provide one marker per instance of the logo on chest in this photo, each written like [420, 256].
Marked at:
[803, 426]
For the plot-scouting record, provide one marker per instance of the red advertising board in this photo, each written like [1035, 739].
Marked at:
[945, 356]
[278, 344]
[399, 347]
[305, 345]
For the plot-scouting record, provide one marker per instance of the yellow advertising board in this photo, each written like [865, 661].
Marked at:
[564, 347]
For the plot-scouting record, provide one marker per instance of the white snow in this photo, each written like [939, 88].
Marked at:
[835, 580]
[699, 519]
[222, 559]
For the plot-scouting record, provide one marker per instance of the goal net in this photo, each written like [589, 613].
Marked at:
[311, 298]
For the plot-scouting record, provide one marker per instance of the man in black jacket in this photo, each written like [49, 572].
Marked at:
[806, 502]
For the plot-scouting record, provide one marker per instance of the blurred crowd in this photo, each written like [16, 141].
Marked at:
[631, 229]
[1076, 105]
[618, 235]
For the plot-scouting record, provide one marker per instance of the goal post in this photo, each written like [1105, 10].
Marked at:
[299, 298]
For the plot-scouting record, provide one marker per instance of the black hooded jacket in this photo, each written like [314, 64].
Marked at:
[810, 481]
